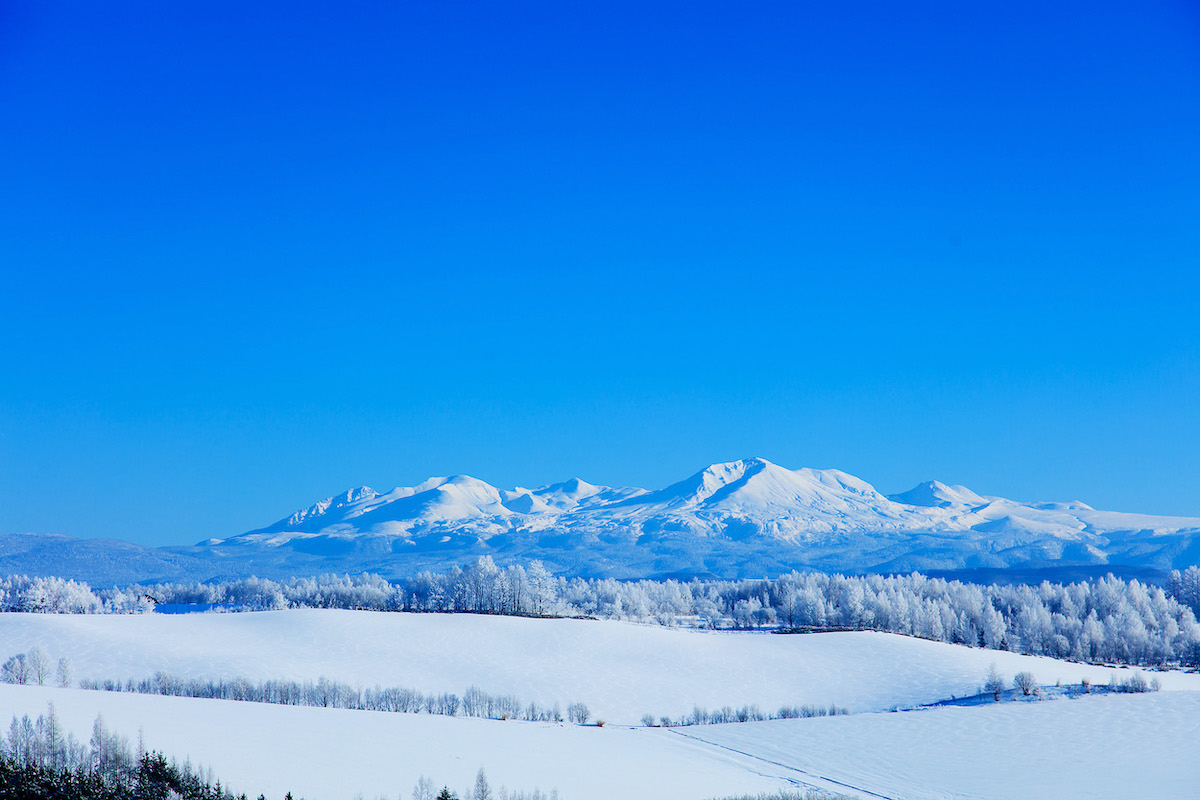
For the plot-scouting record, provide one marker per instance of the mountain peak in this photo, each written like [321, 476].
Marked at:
[813, 518]
[935, 494]
[706, 483]
[322, 507]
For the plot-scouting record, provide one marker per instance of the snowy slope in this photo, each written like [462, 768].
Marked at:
[1113, 746]
[1122, 746]
[620, 670]
[331, 754]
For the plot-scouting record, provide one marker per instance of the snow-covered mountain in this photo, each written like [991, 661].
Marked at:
[748, 517]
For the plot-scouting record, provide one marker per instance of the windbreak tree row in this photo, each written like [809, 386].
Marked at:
[1107, 619]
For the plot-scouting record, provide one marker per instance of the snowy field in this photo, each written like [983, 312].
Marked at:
[333, 754]
[1124, 746]
[1127, 746]
[1141, 746]
[620, 670]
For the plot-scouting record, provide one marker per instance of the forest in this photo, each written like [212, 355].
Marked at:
[1107, 620]
[37, 760]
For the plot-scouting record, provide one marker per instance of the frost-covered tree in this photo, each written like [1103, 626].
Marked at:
[65, 672]
[15, 670]
[424, 789]
[481, 790]
[578, 713]
[1185, 587]
[1025, 682]
[994, 682]
[39, 664]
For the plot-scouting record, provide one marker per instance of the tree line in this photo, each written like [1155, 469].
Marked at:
[1103, 620]
[328, 693]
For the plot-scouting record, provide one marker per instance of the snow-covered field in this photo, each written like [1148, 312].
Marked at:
[620, 670]
[1118, 746]
[1140, 746]
[332, 754]
[1127, 746]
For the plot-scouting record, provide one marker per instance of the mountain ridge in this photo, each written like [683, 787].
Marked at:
[736, 519]
[728, 518]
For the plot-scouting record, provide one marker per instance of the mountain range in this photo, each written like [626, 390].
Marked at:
[748, 518]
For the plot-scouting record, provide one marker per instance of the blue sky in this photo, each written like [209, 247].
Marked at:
[256, 253]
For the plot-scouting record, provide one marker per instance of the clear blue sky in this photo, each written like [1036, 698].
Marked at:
[257, 253]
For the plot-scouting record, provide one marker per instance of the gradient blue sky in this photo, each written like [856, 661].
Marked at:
[256, 253]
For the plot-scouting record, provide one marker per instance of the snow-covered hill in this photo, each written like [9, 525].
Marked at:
[1136, 746]
[621, 670]
[748, 517]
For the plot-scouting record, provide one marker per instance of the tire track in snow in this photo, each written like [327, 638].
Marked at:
[850, 786]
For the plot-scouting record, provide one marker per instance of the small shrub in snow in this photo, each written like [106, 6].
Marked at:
[1135, 684]
[1025, 682]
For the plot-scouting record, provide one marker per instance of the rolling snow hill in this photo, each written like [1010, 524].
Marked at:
[1097, 746]
[1139, 746]
[620, 670]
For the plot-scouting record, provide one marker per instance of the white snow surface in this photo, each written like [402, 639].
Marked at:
[620, 670]
[1128, 746]
[332, 754]
[1116, 746]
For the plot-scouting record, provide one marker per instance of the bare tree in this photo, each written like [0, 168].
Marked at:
[39, 664]
[424, 789]
[65, 672]
[578, 713]
[481, 791]
[995, 682]
[15, 670]
[1025, 682]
